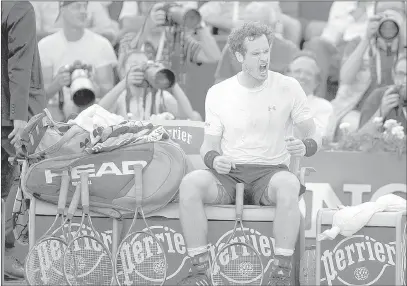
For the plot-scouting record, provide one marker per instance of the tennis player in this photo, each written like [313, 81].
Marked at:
[249, 138]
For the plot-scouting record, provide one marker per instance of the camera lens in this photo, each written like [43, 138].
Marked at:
[83, 97]
[388, 29]
[164, 79]
[192, 18]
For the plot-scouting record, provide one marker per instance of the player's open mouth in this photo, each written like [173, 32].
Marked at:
[263, 68]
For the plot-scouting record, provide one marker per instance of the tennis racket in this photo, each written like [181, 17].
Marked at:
[140, 258]
[87, 260]
[43, 265]
[238, 262]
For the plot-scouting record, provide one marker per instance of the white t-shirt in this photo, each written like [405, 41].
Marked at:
[254, 123]
[56, 52]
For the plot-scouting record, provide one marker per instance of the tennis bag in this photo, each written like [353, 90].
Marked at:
[111, 176]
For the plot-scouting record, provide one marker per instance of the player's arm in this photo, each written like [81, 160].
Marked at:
[211, 146]
[301, 116]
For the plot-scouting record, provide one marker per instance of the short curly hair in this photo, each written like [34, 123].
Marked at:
[250, 30]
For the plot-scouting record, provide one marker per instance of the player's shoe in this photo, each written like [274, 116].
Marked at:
[200, 268]
[280, 273]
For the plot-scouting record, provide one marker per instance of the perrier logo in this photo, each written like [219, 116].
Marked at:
[357, 260]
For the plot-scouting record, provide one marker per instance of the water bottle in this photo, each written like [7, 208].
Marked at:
[308, 266]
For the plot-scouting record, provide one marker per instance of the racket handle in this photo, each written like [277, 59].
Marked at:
[74, 203]
[63, 193]
[85, 192]
[138, 184]
[295, 165]
[239, 199]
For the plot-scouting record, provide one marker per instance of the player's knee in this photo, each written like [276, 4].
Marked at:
[287, 188]
[193, 185]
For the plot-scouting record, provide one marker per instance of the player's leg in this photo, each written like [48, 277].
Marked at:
[282, 188]
[198, 188]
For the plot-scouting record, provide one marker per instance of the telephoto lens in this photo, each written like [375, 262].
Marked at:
[183, 16]
[158, 76]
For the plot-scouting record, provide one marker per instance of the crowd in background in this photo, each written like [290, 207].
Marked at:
[351, 66]
[343, 64]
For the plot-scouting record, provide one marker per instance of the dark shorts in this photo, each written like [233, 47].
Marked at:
[256, 179]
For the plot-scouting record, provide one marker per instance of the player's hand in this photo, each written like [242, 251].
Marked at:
[390, 101]
[135, 76]
[295, 146]
[15, 135]
[63, 77]
[158, 15]
[223, 165]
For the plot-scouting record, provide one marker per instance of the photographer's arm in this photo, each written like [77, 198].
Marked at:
[209, 52]
[353, 63]
[183, 102]
[104, 79]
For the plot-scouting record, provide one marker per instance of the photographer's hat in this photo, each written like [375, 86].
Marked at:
[61, 5]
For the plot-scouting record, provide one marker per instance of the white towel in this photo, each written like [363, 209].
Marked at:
[349, 220]
[96, 116]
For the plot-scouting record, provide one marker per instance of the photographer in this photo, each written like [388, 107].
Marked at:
[74, 43]
[388, 102]
[203, 49]
[368, 61]
[143, 100]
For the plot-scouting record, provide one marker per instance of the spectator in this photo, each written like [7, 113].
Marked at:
[367, 65]
[74, 43]
[304, 68]
[98, 20]
[347, 21]
[204, 49]
[388, 102]
[282, 51]
[145, 104]
[22, 96]
[224, 15]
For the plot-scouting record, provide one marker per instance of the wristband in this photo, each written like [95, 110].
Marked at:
[311, 147]
[209, 157]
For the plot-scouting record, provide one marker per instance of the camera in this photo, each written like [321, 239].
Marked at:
[403, 95]
[82, 89]
[389, 27]
[157, 76]
[177, 14]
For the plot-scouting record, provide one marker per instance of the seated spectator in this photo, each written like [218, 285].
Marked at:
[388, 102]
[198, 46]
[282, 51]
[347, 21]
[98, 20]
[140, 103]
[74, 43]
[367, 65]
[304, 68]
[224, 14]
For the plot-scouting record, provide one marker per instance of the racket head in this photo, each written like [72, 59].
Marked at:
[237, 263]
[87, 261]
[140, 260]
[44, 262]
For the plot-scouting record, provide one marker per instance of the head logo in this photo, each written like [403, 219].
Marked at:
[358, 260]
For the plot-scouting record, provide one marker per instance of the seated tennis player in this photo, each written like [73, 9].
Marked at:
[249, 138]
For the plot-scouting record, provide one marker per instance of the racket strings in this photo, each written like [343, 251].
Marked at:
[141, 261]
[237, 264]
[44, 263]
[88, 262]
